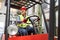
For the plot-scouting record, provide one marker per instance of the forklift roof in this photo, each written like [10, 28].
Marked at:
[17, 4]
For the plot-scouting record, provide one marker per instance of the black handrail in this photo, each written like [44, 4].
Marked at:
[52, 19]
[7, 21]
[59, 21]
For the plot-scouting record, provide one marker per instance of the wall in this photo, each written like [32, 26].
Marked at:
[3, 8]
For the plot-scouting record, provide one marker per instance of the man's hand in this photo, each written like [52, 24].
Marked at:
[24, 20]
[38, 18]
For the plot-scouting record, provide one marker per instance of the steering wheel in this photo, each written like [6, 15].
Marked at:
[33, 20]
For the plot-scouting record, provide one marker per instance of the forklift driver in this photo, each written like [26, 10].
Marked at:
[24, 28]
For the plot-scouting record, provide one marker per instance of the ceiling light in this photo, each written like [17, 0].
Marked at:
[12, 3]
[27, 3]
[18, 2]
[31, 4]
[37, 0]
[24, 2]
[30, 1]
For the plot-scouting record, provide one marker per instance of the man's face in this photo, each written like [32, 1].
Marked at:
[23, 12]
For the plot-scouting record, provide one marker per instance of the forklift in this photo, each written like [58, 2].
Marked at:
[17, 4]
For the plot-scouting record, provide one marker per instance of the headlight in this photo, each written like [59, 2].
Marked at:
[12, 29]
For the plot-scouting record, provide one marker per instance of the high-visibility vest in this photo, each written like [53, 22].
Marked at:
[23, 25]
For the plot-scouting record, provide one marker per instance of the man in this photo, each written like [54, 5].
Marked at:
[24, 28]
